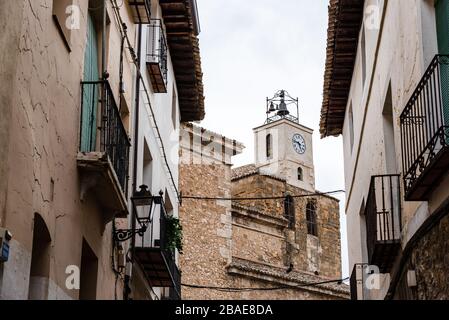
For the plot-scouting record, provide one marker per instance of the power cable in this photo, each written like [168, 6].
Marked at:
[260, 198]
[243, 289]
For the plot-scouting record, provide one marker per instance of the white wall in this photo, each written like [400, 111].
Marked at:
[401, 60]
[161, 103]
[285, 160]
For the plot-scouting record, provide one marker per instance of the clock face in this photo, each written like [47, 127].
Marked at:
[299, 144]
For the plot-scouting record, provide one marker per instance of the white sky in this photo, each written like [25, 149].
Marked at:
[252, 48]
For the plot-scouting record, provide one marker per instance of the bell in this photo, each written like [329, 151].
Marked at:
[272, 108]
[283, 111]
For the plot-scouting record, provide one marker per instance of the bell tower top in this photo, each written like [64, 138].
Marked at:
[278, 107]
[283, 147]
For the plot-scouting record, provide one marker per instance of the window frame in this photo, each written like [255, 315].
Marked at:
[300, 174]
[289, 211]
[311, 218]
[269, 146]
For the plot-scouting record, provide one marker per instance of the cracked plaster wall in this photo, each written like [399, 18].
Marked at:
[41, 127]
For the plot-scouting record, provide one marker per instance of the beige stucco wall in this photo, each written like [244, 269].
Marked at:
[43, 97]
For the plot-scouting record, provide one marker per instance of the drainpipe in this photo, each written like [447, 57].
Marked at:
[103, 43]
[135, 152]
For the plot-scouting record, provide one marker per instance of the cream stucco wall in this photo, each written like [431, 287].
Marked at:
[285, 160]
[398, 53]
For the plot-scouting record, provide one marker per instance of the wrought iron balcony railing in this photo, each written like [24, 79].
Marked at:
[425, 131]
[113, 139]
[157, 56]
[154, 251]
[383, 221]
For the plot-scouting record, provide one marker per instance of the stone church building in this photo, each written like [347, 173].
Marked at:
[277, 243]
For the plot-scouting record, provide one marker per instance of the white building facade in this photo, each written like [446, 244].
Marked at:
[385, 92]
[168, 55]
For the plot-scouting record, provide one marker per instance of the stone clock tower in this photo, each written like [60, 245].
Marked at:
[283, 147]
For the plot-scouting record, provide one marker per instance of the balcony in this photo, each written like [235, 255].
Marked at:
[157, 56]
[154, 255]
[140, 11]
[425, 132]
[383, 221]
[104, 149]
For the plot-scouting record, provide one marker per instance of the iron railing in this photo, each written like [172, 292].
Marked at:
[174, 293]
[425, 121]
[157, 51]
[114, 140]
[156, 237]
[383, 215]
[278, 117]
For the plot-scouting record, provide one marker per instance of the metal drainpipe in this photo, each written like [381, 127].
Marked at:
[135, 152]
[103, 43]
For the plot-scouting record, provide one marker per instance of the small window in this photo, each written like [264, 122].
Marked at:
[363, 52]
[147, 166]
[300, 174]
[88, 273]
[289, 211]
[174, 107]
[269, 146]
[40, 260]
[351, 127]
[311, 218]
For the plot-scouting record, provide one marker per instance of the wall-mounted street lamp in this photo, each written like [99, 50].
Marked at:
[143, 203]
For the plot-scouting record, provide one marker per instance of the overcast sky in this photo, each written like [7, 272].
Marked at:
[252, 48]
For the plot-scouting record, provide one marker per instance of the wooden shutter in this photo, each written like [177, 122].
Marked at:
[90, 91]
[442, 20]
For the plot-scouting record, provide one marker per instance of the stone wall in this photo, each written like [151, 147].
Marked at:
[206, 229]
[430, 260]
[306, 252]
[247, 244]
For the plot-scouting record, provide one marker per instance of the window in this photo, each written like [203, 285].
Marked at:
[388, 126]
[62, 9]
[311, 218]
[289, 211]
[40, 260]
[168, 204]
[174, 107]
[269, 146]
[363, 53]
[147, 166]
[300, 174]
[88, 273]
[351, 127]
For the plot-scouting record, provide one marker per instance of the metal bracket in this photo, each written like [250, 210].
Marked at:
[126, 234]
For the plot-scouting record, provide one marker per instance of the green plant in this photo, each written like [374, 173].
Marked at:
[174, 234]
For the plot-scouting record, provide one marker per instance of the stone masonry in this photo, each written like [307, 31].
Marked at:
[248, 244]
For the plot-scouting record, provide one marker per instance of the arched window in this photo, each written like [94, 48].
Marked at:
[312, 228]
[269, 146]
[289, 211]
[40, 260]
[300, 174]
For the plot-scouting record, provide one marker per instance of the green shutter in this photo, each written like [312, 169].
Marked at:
[442, 17]
[442, 20]
[90, 92]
